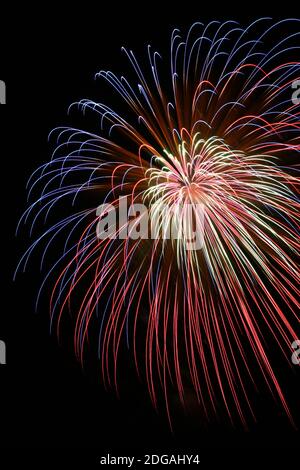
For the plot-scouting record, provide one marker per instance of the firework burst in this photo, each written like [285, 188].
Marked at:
[222, 135]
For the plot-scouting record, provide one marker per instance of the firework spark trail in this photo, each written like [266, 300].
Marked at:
[227, 137]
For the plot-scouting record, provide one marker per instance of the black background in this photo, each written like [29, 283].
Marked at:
[50, 56]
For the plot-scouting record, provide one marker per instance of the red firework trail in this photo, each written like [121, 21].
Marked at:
[223, 135]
